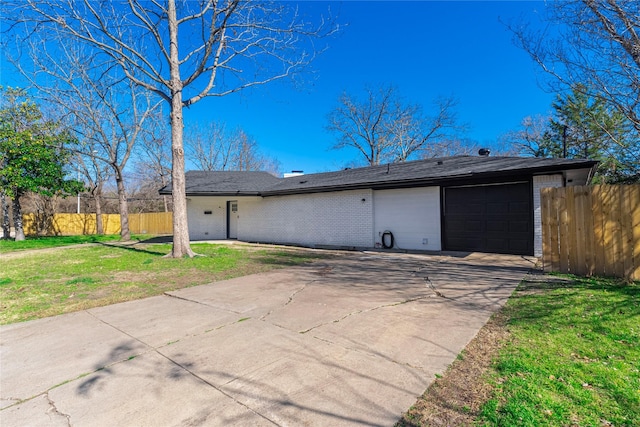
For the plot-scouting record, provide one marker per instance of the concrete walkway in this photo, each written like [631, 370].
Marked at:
[350, 341]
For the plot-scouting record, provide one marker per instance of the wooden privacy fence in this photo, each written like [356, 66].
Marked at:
[592, 230]
[75, 224]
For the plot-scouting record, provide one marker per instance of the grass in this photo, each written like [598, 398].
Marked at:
[573, 359]
[44, 284]
[37, 242]
[564, 351]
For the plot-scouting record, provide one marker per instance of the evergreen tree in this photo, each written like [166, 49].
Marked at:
[584, 127]
[32, 153]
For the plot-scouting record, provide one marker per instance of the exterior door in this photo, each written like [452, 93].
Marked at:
[232, 219]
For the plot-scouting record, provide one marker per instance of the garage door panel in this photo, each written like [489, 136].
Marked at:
[473, 244]
[497, 208]
[496, 245]
[473, 226]
[519, 226]
[497, 226]
[519, 207]
[489, 218]
[519, 246]
[473, 207]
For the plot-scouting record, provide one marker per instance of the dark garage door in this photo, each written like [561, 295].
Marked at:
[489, 218]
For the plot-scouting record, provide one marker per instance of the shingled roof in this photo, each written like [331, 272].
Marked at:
[437, 171]
[226, 183]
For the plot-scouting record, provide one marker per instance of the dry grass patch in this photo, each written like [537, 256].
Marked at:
[455, 399]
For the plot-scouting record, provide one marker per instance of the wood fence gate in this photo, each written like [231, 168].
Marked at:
[592, 230]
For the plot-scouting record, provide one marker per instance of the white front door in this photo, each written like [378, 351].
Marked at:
[232, 219]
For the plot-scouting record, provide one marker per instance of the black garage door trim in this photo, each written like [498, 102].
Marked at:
[495, 218]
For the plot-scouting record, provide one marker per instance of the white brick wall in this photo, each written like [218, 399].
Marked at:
[338, 218]
[207, 227]
[539, 182]
[411, 214]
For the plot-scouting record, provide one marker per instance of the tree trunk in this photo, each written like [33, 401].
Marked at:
[6, 225]
[17, 218]
[123, 207]
[97, 196]
[181, 245]
[164, 198]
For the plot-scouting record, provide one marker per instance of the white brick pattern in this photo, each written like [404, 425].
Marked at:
[341, 218]
[411, 214]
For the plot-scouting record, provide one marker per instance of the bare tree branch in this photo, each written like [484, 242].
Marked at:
[239, 44]
[595, 44]
[384, 128]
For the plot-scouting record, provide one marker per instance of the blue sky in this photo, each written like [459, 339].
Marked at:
[425, 48]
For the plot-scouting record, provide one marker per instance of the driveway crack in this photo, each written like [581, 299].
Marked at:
[430, 285]
[353, 313]
[290, 300]
[55, 410]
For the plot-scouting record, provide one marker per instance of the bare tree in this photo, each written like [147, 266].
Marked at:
[96, 173]
[183, 51]
[383, 128]
[208, 147]
[533, 136]
[247, 156]
[153, 166]
[450, 147]
[593, 45]
[108, 113]
[214, 148]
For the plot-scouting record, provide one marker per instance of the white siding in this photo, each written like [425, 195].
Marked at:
[341, 218]
[207, 227]
[411, 214]
[539, 182]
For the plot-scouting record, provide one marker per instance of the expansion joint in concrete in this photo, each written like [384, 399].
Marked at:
[213, 386]
[166, 294]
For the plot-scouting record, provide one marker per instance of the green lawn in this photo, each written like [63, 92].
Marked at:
[37, 285]
[43, 242]
[573, 359]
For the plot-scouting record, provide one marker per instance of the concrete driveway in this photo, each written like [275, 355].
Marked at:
[347, 341]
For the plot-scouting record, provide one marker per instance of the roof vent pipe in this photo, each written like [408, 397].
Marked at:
[484, 152]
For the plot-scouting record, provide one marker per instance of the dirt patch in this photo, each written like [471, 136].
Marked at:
[455, 398]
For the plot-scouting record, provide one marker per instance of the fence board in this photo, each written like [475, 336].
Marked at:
[635, 229]
[76, 224]
[572, 232]
[563, 235]
[579, 239]
[627, 233]
[548, 224]
[598, 228]
[592, 230]
[589, 236]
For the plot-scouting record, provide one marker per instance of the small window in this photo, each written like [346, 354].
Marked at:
[234, 207]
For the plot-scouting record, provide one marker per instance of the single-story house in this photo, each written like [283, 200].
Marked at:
[459, 203]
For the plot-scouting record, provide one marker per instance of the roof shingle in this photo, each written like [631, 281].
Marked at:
[422, 172]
